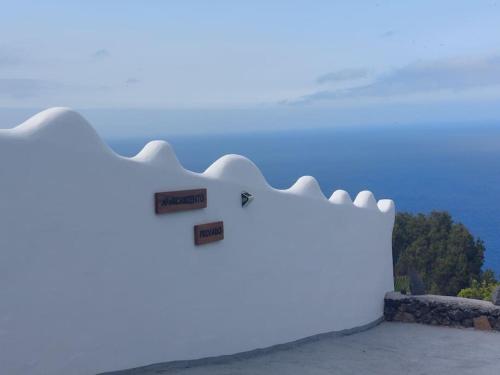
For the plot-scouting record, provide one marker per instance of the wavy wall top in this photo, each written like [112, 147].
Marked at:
[70, 130]
[86, 264]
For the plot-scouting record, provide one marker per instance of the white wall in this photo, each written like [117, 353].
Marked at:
[92, 280]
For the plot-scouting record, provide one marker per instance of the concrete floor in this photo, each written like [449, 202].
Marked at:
[389, 348]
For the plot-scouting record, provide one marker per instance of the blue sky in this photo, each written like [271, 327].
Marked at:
[346, 61]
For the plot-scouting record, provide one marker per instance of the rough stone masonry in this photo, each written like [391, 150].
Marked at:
[442, 310]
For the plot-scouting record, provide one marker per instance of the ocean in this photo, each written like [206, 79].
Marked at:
[422, 168]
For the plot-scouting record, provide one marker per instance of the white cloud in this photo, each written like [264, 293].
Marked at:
[388, 34]
[20, 88]
[421, 77]
[343, 75]
[131, 81]
[101, 54]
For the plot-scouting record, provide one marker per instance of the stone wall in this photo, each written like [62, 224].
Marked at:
[442, 310]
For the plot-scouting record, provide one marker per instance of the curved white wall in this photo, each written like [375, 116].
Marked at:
[92, 280]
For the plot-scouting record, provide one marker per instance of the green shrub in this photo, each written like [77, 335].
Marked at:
[445, 255]
[402, 284]
[480, 289]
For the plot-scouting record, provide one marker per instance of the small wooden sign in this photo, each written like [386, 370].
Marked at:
[210, 232]
[181, 200]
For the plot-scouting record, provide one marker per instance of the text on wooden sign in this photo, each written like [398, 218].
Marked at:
[181, 200]
[209, 232]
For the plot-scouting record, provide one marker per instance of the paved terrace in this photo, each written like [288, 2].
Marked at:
[389, 348]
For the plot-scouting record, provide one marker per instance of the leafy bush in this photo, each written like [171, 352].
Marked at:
[482, 289]
[444, 253]
[402, 284]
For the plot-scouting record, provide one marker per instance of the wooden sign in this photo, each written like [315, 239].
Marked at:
[181, 200]
[210, 232]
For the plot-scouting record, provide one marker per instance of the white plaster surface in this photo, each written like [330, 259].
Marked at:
[91, 280]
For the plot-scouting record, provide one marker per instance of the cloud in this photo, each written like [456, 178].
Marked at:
[9, 57]
[342, 75]
[421, 77]
[101, 54]
[6, 60]
[21, 88]
[132, 81]
[388, 34]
